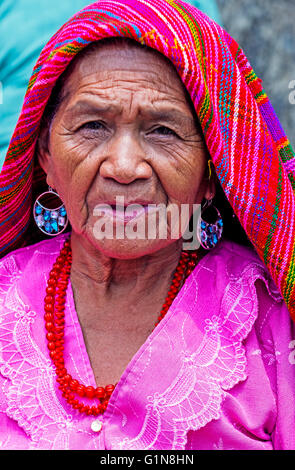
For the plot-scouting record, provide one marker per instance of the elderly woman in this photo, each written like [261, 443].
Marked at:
[136, 342]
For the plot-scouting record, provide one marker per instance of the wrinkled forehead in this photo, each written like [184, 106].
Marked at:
[116, 54]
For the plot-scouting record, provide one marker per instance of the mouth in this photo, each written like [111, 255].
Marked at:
[125, 212]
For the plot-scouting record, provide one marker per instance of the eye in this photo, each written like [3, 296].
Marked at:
[93, 125]
[163, 130]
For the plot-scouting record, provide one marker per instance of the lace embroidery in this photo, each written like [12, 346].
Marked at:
[194, 397]
[205, 371]
[31, 374]
[31, 394]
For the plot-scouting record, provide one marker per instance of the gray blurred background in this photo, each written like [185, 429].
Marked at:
[265, 29]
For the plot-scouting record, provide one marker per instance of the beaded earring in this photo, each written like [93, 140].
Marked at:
[209, 233]
[51, 221]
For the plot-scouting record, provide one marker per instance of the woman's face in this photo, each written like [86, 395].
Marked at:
[124, 128]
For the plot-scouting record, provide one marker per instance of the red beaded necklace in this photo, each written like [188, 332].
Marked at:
[55, 323]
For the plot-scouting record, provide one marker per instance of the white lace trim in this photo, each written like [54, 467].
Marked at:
[195, 396]
[32, 399]
[192, 400]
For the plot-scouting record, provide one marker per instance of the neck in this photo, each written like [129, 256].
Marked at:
[103, 280]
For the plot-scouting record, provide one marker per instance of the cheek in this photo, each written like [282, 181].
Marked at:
[68, 154]
[74, 169]
[183, 176]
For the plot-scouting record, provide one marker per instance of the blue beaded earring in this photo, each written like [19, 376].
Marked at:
[209, 233]
[50, 221]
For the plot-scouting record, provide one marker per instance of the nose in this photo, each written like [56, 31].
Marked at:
[125, 161]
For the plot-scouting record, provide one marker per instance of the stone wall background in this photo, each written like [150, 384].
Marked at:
[265, 29]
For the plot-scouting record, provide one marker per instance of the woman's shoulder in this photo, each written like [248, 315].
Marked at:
[28, 259]
[228, 250]
[235, 261]
[242, 287]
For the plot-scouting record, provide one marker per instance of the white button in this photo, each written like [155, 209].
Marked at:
[96, 425]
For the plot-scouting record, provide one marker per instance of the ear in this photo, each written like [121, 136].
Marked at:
[210, 180]
[211, 187]
[43, 155]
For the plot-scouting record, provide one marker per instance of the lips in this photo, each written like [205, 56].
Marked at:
[117, 203]
[123, 212]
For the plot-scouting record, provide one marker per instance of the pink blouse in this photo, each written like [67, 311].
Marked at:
[218, 372]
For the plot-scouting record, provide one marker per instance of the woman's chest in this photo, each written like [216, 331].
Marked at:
[110, 352]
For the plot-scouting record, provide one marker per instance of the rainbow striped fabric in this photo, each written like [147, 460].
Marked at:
[252, 156]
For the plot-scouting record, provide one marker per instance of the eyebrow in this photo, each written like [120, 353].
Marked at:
[172, 115]
[169, 115]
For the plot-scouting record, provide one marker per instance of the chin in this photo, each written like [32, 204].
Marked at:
[129, 249]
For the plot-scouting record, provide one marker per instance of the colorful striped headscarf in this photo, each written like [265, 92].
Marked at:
[252, 156]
